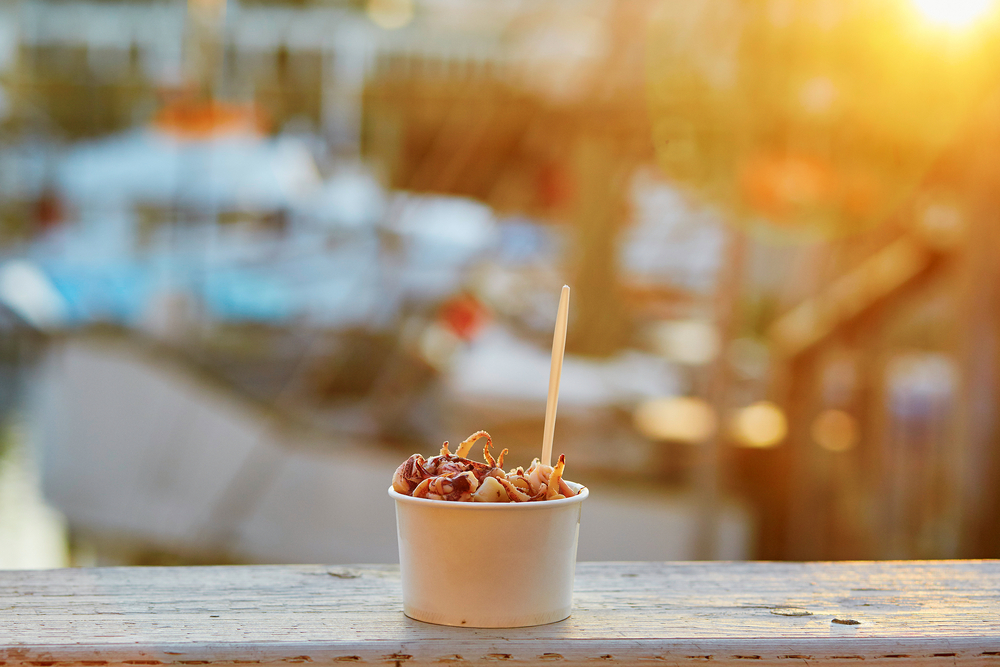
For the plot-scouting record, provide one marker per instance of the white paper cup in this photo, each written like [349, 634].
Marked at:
[487, 565]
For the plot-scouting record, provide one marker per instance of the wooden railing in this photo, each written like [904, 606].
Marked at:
[941, 612]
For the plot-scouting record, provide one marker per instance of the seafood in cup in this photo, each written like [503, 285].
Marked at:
[454, 477]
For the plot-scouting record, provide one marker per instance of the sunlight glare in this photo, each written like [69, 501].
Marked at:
[954, 13]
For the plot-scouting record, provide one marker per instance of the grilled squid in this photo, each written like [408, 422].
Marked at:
[456, 478]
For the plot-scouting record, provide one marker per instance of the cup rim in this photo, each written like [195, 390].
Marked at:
[495, 507]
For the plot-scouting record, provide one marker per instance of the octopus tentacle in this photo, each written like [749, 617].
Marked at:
[486, 454]
[541, 494]
[554, 479]
[522, 483]
[466, 445]
[423, 488]
[538, 475]
[513, 492]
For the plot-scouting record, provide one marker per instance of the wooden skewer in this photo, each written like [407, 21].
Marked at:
[558, 350]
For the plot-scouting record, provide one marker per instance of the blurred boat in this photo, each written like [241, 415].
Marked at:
[163, 463]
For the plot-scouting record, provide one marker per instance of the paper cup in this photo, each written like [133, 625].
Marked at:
[487, 565]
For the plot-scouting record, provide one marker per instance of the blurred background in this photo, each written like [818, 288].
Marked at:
[255, 253]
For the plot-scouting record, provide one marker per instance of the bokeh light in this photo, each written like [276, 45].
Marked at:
[941, 223]
[759, 425]
[390, 14]
[680, 418]
[835, 430]
[690, 342]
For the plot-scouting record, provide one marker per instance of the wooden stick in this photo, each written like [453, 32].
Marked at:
[558, 350]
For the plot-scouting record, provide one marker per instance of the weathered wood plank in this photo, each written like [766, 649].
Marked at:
[656, 613]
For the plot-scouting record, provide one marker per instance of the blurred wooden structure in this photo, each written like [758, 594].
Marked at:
[481, 130]
[928, 488]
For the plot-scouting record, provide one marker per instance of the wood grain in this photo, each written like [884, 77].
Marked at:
[625, 613]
